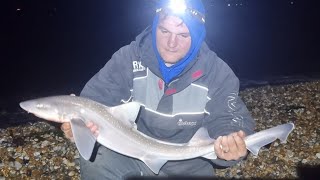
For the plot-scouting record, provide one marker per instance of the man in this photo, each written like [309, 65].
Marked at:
[181, 85]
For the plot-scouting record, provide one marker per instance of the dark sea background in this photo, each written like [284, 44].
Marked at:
[54, 47]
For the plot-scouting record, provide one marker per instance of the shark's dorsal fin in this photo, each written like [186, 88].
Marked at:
[201, 137]
[83, 138]
[153, 163]
[127, 113]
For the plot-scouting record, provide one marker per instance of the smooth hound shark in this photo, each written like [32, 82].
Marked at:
[118, 131]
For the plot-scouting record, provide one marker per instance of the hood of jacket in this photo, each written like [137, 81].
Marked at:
[148, 56]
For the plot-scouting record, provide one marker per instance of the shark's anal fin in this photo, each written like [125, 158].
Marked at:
[255, 141]
[201, 137]
[83, 138]
[153, 163]
[211, 155]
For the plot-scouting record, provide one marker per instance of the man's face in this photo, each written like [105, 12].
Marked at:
[173, 39]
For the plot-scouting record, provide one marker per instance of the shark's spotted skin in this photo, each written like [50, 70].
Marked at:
[118, 132]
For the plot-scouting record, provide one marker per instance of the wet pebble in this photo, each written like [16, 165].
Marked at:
[36, 154]
[71, 173]
[45, 143]
[17, 165]
[290, 153]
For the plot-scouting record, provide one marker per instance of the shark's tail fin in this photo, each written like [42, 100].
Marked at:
[255, 141]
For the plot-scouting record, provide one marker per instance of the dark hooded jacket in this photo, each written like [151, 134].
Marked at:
[205, 94]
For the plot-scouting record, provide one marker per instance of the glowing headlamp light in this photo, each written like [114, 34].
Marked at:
[180, 7]
[177, 6]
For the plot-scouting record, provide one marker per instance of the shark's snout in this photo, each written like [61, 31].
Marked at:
[22, 105]
[26, 105]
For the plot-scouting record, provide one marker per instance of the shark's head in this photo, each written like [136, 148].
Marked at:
[42, 108]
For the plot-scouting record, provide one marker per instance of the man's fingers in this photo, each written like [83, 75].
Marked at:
[96, 133]
[241, 134]
[65, 127]
[241, 146]
[93, 128]
[241, 143]
[69, 135]
[90, 124]
[232, 144]
[224, 144]
[231, 147]
[217, 147]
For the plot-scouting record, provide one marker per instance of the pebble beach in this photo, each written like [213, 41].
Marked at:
[37, 149]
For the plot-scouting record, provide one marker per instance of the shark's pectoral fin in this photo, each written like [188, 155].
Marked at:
[83, 138]
[153, 163]
[254, 149]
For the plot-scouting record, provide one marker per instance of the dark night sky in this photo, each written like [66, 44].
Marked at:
[55, 46]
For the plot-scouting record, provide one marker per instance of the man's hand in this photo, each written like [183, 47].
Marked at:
[66, 128]
[231, 147]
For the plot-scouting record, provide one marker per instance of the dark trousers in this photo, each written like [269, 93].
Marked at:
[107, 164]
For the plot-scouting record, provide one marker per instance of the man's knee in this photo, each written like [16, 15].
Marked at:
[107, 164]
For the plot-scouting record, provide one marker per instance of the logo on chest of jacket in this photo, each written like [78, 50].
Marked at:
[186, 123]
[137, 66]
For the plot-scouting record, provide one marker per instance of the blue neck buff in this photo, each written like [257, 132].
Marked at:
[197, 33]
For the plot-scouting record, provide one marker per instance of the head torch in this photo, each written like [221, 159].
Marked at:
[180, 7]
